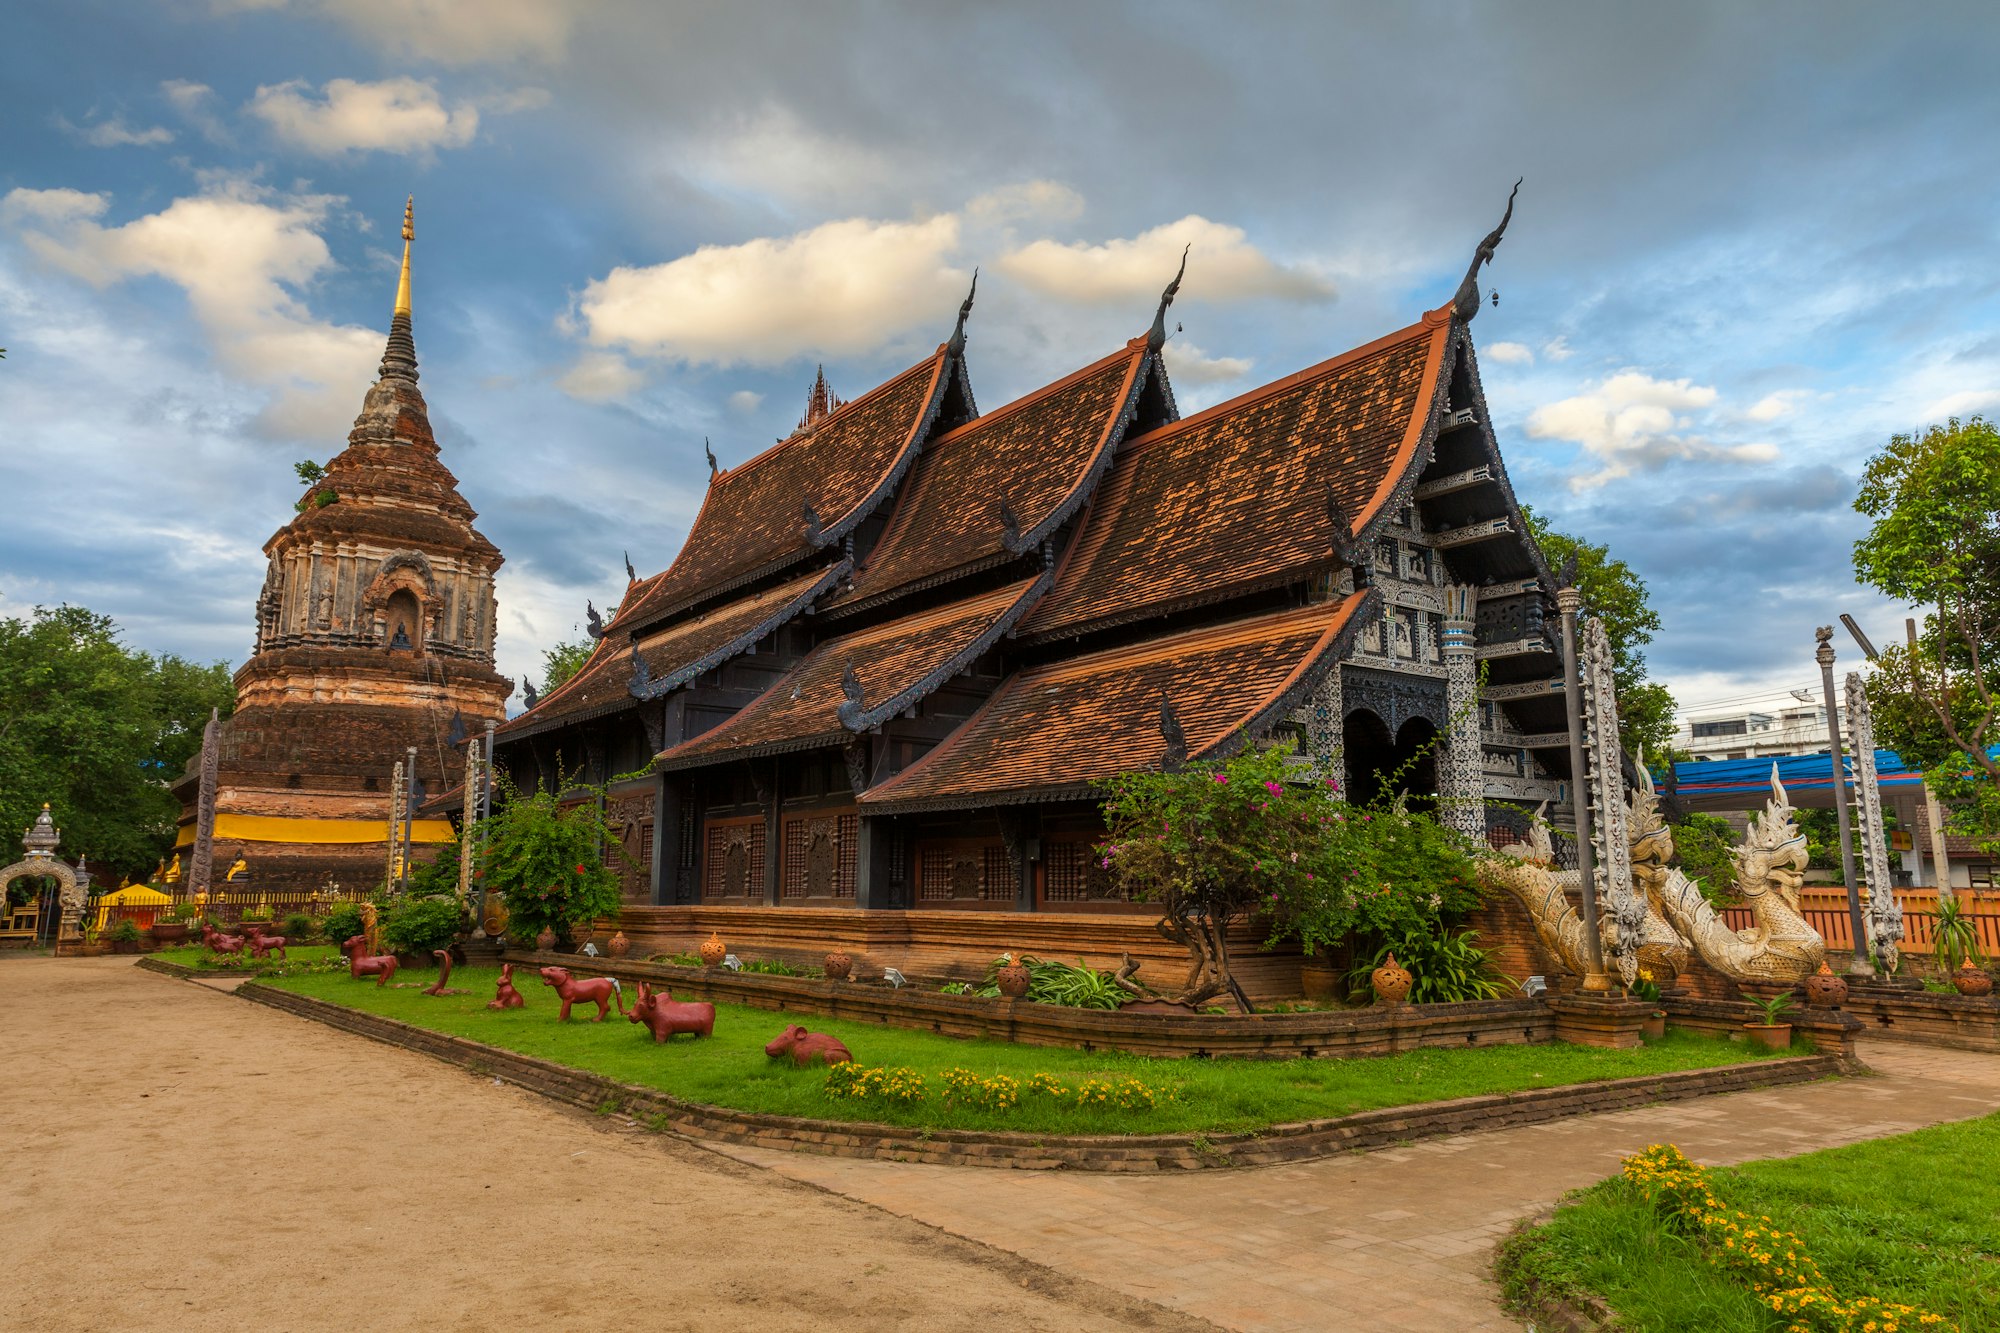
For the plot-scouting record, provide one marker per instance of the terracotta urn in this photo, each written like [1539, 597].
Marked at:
[1013, 980]
[1392, 982]
[545, 940]
[170, 932]
[619, 946]
[838, 966]
[1771, 1036]
[713, 950]
[1826, 989]
[1972, 982]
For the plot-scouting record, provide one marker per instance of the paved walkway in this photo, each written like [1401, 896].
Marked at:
[1389, 1240]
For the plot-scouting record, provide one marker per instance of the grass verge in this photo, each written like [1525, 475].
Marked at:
[1207, 1096]
[199, 958]
[1913, 1219]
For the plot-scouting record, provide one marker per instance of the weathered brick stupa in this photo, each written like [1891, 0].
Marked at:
[374, 633]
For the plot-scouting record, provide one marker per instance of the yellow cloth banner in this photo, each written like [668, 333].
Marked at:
[276, 828]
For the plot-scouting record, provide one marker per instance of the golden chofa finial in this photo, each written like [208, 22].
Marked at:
[409, 234]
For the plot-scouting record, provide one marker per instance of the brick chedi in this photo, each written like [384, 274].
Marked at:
[374, 634]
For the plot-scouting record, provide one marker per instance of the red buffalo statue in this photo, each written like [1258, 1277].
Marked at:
[262, 944]
[805, 1047]
[504, 995]
[381, 966]
[664, 1015]
[600, 991]
[220, 943]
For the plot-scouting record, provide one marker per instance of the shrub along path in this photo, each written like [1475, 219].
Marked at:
[1389, 1240]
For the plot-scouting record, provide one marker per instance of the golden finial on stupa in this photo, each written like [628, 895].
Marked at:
[409, 234]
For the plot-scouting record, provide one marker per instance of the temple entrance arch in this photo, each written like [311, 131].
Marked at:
[1381, 764]
[40, 843]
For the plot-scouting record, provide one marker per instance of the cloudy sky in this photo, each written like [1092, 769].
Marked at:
[1753, 242]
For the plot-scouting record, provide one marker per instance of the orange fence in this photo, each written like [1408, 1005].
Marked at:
[228, 908]
[1827, 914]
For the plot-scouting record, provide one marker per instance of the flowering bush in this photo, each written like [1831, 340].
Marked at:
[963, 1087]
[542, 856]
[1773, 1262]
[875, 1083]
[1247, 836]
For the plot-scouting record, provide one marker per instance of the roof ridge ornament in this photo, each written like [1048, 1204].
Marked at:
[595, 628]
[810, 517]
[1010, 527]
[712, 467]
[1170, 730]
[855, 705]
[821, 401]
[1465, 304]
[956, 345]
[642, 675]
[1156, 337]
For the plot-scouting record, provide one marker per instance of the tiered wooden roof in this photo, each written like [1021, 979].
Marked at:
[854, 682]
[1000, 484]
[1053, 732]
[1252, 492]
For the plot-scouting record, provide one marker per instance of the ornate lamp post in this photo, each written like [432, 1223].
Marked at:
[1860, 967]
[1569, 601]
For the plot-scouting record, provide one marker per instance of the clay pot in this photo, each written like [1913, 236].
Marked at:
[170, 932]
[1655, 1026]
[1319, 979]
[1826, 989]
[619, 946]
[838, 966]
[545, 940]
[1772, 1036]
[713, 950]
[1013, 980]
[1392, 982]
[1972, 982]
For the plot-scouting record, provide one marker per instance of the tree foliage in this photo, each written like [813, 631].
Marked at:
[545, 858]
[98, 730]
[563, 661]
[1213, 843]
[1615, 594]
[1934, 499]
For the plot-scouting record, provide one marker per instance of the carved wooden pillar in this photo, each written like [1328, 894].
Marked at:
[1325, 711]
[764, 774]
[1461, 779]
[873, 853]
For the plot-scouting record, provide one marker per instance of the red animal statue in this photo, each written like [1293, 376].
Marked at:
[600, 991]
[220, 943]
[444, 974]
[664, 1015]
[504, 995]
[262, 944]
[382, 966]
[805, 1047]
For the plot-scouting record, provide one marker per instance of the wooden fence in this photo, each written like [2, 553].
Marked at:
[1827, 914]
[227, 907]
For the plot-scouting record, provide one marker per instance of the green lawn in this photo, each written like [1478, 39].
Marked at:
[1913, 1219]
[1209, 1096]
[195, 955]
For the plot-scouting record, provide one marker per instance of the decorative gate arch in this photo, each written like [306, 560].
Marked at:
[40, 843]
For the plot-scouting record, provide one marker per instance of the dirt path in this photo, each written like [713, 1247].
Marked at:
[177, 1158]
[1396, 1241]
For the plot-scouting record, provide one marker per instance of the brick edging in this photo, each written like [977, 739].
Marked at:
[186, 973]
[1138, 1152]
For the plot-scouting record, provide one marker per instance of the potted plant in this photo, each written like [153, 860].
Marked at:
[541, 856]
[1648, 990]
[416, 926]
[123, 935]
[172, 926]
[1957, 950]
[1773, 1035]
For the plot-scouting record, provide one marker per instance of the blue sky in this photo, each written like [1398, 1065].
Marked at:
[1752, 243]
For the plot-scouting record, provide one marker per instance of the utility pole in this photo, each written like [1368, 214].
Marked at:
[1570, 601]
[1860, 967]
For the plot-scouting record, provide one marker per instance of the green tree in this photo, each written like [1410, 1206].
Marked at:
[563, 661]
[98, 730]
[545, 858]
[1616, 595]
[1934, 499]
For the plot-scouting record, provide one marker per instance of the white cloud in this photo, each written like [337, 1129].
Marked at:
[115, 133]
[771, 153]
[1512, 354]
[842, 288]
[195, 103]
[1188, 364]
[1962, 404]
[451, 32]
[1774, 405]
[745, 402]
[1222, 265]
[400, 115]
[1634, 423]
[1041, 199]
[1558, 349]
[241, 256]
[599, 377]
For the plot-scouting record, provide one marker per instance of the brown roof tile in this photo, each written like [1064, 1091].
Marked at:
[896, 664]
[1235, 497]
[752, 521]
[673, 655]
[1039, 455]
[1057, 731]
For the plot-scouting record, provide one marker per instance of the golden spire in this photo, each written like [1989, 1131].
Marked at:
[409, 234]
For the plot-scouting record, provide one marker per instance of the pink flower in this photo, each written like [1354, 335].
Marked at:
[1276, 789]
[1222, 779]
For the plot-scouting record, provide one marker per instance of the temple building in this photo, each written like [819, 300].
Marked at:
[374, 635]
[900, 650]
